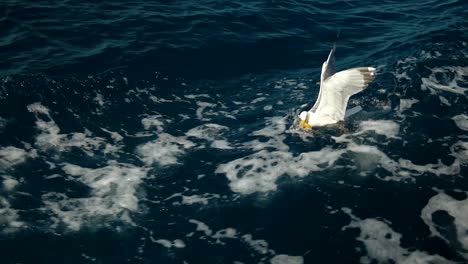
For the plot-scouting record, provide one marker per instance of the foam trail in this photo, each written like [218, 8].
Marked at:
[153, 121]
[165, 150]
[258, 172]
[285, 259]
[406, 104]
[212, 133]
[12, 156]
[178, 243]
[387, 128]
[382, 243]
[459, 212]
[9, 183]
[51, 138]
[9, 218]
[461, 121]
[449, 84]
[113, 195]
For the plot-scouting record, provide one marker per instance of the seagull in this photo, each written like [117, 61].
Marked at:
[335, 90]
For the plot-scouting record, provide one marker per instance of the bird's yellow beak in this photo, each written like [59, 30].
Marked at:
[305, 124]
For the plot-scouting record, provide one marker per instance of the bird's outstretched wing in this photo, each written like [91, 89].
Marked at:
[336, 90]
[350, 81]
[328, 69]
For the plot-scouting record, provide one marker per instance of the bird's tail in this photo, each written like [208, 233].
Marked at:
[353, 111]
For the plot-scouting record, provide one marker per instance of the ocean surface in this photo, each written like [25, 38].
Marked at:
[166, 132]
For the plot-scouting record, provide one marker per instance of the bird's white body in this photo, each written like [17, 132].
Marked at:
[335, 91]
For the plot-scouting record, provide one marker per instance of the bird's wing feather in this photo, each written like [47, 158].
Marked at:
[351, 81]
[337, 89]
[328, 69]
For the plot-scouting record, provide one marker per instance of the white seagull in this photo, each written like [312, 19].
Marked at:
[335, 90]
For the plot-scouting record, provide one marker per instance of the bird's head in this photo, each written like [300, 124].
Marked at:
[304, 116]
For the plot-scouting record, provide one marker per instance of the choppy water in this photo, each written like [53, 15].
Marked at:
[139, 132]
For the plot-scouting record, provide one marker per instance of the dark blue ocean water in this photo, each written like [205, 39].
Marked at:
[166, 132]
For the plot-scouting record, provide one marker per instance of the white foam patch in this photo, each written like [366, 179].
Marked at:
[202, 227]
[170, 244]
[9, 183]
[274, 130]
[435, 168]
[274, 126]
[459, 211]
[430, 54]
[159, 99]
[229, 232]
[195, 96]
[285, 259]
[444, 100]
[50, 137]
[99, 99]
[206, 110]
[201, 110]
[221, 144]
[461, 121]
[153, 121]
[382, 243]
[165, 150]
[113, 195]
[87, 143]
[258, 245]
[114, 135]
[460, 151]
[38, 108]
[452, 75]
[192, 199]
[367, 157]
[402, 75]
[403, 66]
[258, 172]
[398, 169]
[207, 131]
[164, 242]
[212, 133]
[387, 128]
[11, 156]
[9, 217]
[406, 104]
[257, 100]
